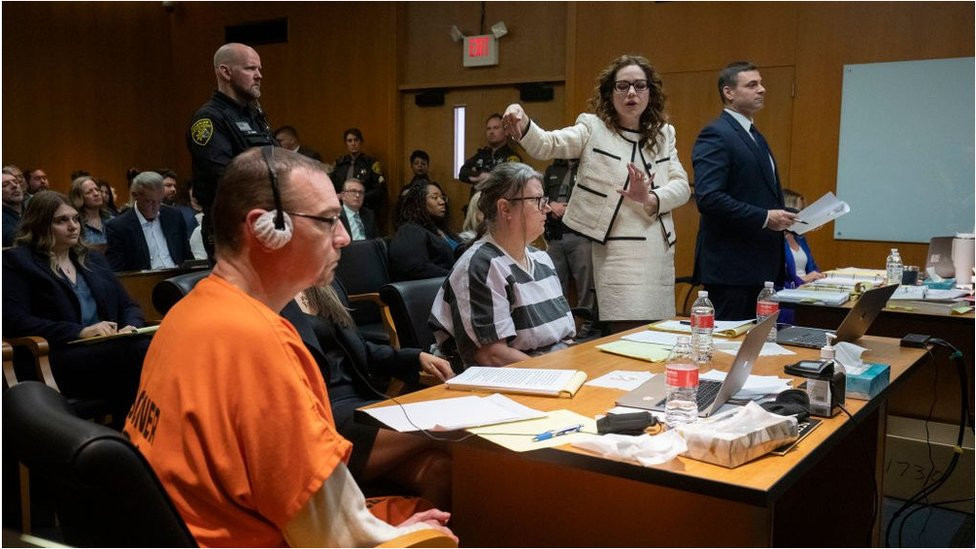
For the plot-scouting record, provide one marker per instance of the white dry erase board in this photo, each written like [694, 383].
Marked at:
[905, 162]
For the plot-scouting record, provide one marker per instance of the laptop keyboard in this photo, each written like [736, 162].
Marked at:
[814, 339]
[707, 391]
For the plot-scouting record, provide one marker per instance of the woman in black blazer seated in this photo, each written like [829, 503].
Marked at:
[422, 247]
[353, 369]
[56, 288]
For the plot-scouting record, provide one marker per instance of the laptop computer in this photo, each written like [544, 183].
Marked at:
[651, 395]
[855, 324]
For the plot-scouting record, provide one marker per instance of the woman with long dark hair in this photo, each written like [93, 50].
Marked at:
[629, 182]
[56, 288]
[423, 246]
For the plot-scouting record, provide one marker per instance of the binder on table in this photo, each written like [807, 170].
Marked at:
[529, 381]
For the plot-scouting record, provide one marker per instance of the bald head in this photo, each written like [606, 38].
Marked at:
[238, 71]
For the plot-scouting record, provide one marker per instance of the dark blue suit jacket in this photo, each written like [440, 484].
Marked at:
[37, 302]
[127, 248]
[734, 187]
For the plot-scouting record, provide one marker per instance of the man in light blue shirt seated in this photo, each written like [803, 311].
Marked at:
[360, 221]
[149, 236]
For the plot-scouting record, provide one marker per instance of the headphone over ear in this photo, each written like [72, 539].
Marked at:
[272, 229]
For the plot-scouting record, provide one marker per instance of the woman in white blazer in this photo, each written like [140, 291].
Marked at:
[630, 179]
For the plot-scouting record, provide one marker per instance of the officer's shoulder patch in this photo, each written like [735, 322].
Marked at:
[513, 158]
[201, 131]
[377, 168]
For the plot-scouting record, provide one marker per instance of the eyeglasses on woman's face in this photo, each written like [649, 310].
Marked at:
[540, 201]
[623, 86]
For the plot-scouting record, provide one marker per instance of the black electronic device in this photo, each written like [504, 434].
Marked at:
[915, 340]
[632, 423]
[826, 385]
[811, 368]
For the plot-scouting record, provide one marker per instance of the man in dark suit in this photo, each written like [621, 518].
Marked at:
[287, 136]
[737, 188]
[360, 221]
[149, 236]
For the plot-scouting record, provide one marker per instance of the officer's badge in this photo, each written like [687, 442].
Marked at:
[201, 131]
[513, 158]
[377, 169]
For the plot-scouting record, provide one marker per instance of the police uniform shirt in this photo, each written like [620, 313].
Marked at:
[219, 131]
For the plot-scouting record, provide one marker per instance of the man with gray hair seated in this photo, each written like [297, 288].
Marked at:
[150, 235]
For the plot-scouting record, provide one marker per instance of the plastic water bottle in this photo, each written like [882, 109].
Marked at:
[681, 375]
[765, 306]
[702, 324]
[895, 267]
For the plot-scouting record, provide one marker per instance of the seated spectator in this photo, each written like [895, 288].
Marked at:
[56, 288]
[355, 370]
[245, 443]
[87, 199]
[472, 218]
[420, 166]
[422, 247]
[108, 196]
[150, 235]
[13, 205]
[800, 265]
[37, 181]
[502, 301]
[359, 221]
[171, 197]
[287, 137]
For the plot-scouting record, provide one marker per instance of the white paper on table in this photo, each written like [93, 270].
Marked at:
[629, 410]
[909, 292]
[451, 414]
[768, 349]
[827, 208]
[754, 387]
[654, 336]
[621, 379]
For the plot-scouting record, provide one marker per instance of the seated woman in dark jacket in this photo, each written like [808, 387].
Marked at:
[56, 288]
[422, 247]
[353, 369]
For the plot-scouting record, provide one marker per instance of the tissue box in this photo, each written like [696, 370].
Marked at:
[735, 437]
[868, 383]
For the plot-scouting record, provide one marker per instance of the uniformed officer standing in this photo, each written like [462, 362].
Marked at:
[228, 124]
[476, 169]
[361, 166]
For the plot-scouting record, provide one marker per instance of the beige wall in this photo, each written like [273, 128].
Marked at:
[112, 85]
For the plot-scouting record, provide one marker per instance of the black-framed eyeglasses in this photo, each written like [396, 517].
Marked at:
[540, 201]
[623, 86]
[330, 222]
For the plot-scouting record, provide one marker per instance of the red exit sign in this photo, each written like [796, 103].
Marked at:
[480, 51]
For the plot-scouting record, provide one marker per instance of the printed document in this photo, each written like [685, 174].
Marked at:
[827, 208]
[451, 414]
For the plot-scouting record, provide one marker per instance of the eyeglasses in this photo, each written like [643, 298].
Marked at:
[330, 222]
[623, 86]
[540, 201]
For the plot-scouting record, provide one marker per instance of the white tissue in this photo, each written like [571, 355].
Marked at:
[849, 356]
[645, 450]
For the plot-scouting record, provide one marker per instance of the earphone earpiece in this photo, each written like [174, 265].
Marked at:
[268, 234]
[273, 229]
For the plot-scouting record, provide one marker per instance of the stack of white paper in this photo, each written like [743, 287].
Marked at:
[451, 414]
[755, 386]
[799, 295]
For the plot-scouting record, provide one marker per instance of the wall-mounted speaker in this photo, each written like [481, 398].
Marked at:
[429, 98]
[535, 92]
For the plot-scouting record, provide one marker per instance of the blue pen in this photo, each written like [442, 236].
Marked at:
[557, 432]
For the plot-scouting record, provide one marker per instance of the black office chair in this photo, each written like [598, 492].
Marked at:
[363, 269]
[168, 292]
[106, 493]
[410, 302]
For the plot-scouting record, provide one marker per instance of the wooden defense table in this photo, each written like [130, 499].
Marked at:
[140, 285]
[925, 385]
[819, 494]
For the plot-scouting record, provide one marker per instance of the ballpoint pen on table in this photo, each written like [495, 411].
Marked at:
[552, 433]
[800, 221]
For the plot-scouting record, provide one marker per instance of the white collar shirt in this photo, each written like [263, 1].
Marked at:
[159, 257]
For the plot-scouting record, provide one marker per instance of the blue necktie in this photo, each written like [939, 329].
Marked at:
[763, 148]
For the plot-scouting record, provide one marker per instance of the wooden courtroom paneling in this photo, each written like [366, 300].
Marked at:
[832, 35]
[533, 50]
[86, 86]
[814, 39]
